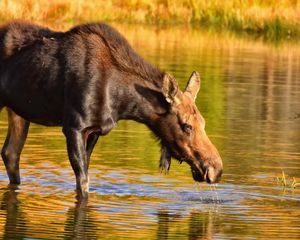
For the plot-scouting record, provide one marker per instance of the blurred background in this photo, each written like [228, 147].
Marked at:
[268, 17]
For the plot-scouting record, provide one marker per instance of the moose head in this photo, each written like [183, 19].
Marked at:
[182, 132]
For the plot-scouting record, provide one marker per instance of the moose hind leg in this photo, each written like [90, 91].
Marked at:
[91, 142]
[13, 145]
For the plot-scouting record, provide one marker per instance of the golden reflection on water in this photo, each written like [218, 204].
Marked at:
[112, 217]
[249, 97]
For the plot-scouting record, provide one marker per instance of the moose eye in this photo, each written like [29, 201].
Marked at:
[187, 127]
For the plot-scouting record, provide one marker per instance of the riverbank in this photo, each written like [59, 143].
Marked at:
[270, 18]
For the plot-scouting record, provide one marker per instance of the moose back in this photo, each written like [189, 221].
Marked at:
[85, 80]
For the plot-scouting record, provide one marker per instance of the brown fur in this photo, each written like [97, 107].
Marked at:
[86, 80]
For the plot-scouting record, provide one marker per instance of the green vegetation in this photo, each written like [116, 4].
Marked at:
[271, 18]
[285, 183]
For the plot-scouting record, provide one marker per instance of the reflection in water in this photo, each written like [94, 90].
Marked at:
[166, 221]
[79, 224]
[250, 96]
[201, 226]
[196, 225]
[15, 221]
[163, 224]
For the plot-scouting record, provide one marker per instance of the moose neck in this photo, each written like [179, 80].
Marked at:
[140, 99]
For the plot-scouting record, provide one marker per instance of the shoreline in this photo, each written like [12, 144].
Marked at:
[275, 20]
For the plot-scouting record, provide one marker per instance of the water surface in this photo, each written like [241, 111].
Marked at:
[250, 97]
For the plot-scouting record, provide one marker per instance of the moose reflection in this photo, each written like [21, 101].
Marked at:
[15, 220]
[86, 80]
[201, 225]
[79, 223]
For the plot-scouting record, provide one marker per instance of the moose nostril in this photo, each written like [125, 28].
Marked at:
[213, 175]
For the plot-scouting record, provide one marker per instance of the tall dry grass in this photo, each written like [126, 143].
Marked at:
[270, 17]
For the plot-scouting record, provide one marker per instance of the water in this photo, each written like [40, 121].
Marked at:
[250, 97]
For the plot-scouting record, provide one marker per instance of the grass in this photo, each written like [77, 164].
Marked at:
[272, 18]
[282, 180]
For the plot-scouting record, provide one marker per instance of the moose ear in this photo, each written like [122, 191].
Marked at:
[193, 85]
[170, 89]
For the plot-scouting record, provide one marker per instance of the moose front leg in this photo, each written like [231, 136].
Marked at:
[14, 142]
[76, 144]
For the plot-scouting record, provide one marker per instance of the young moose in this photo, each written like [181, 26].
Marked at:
[85, 80]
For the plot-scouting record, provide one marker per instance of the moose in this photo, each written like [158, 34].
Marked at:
[87, 79]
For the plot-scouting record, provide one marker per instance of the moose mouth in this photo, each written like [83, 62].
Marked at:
[198, 175]
[201, 175]
[210, 175]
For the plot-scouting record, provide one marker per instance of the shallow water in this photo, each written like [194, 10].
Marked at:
[250, 97]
